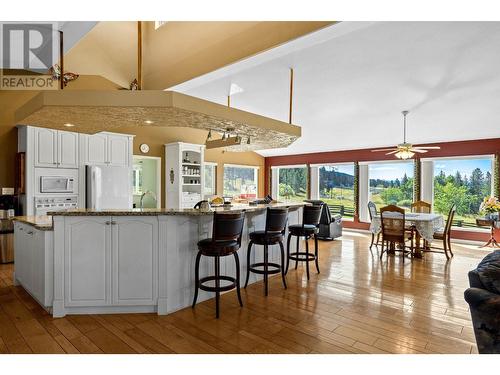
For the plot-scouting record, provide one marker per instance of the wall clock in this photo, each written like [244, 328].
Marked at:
[144, 148]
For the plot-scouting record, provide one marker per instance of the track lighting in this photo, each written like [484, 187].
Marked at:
[209, 136]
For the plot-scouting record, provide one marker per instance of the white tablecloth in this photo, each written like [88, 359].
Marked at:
[425, 224]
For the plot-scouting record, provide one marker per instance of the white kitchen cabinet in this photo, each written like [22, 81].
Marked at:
[34, 262]
[135, 260]
[45, 150]
[87, 257]
[96, 149]
[118, 150]
[67, 149]
[110, 261]
[107, 148]
[55, 149]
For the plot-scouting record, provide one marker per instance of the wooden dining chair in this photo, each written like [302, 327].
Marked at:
[372, 210]
[394, 231]
[421, 207]
[445, 234]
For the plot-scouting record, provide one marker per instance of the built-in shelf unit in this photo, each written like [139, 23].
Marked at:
[184, 174]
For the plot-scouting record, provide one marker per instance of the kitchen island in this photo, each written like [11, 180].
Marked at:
[123, 261]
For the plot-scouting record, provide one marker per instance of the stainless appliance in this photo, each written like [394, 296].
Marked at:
[6, 241]
[50, 204]
[8, 208]
[108, 187]
[57, 184]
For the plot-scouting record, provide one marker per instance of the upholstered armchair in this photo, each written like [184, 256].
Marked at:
[483, 298]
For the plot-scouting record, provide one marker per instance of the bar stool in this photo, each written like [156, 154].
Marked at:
[309, 228]
[273, 234]
[225, 241]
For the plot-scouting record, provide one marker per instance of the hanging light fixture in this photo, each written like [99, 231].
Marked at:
[248, 140]
[405, 150]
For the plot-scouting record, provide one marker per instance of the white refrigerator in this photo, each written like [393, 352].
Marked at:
[108, 187]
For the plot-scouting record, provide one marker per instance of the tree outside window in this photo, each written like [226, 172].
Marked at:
[463, 182]
[292, 184]
[391, 183]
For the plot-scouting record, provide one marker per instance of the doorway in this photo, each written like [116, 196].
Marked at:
[146, 181]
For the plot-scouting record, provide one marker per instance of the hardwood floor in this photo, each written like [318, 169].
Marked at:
[358, 304]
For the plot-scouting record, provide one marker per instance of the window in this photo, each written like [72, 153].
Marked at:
[240, 181]
[210, 179]
[137, 179]
[336, 188]
[464, 182]
[391, 183]
[292, 183]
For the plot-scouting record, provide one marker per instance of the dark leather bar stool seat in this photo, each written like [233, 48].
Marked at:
[273, 234]
[309, 228]
[225, 241]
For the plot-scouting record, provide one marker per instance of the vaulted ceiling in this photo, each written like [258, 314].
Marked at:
[353, 79]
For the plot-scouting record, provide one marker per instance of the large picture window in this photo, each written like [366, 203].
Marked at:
[463, 182]
[336, 188]
[292, 184]
[240, 181]
[391, 183]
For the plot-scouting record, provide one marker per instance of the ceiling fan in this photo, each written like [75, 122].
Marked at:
[406, 150]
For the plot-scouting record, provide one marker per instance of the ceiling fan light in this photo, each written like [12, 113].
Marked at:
[404, 154]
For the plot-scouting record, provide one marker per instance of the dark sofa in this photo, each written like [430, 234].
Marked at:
[483, 298]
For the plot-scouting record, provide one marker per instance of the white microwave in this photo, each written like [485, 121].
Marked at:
[57, 184]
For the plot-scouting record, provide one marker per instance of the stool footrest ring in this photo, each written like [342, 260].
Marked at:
[302, 256]
[214, 288]
[275, 268]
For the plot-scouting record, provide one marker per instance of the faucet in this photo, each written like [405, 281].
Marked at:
[147, 192]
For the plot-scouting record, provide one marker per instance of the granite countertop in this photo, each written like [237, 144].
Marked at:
[38, 222]
[165, 211]
[45, 222]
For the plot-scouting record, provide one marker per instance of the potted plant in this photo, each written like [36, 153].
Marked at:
[490, 207]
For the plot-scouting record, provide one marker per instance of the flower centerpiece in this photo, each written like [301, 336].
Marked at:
[490, 207]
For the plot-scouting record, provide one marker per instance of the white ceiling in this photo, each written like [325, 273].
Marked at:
[353, 79]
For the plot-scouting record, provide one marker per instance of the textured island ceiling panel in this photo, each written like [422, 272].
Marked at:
[95, 111]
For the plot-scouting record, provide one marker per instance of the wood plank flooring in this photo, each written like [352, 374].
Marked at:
[358, 304]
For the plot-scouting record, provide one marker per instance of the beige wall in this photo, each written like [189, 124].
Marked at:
[179, 51]
[155, 137]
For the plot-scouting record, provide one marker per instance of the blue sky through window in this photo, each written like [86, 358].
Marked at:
[390, 171]
[464, 166]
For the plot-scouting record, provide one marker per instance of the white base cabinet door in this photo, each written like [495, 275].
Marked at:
[87, 258]
[135, 260]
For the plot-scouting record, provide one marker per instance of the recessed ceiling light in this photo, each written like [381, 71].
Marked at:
[68, 125]
[149, 122]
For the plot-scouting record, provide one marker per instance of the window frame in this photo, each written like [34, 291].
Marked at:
[317, 194]
[215, 167]
[255, 168]
[276, 169]
[465, 157]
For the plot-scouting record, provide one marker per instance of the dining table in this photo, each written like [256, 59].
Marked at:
[424, 224]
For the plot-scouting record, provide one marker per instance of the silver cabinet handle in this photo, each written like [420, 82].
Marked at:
[107, 222]
[30, 232]
[113, 223]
